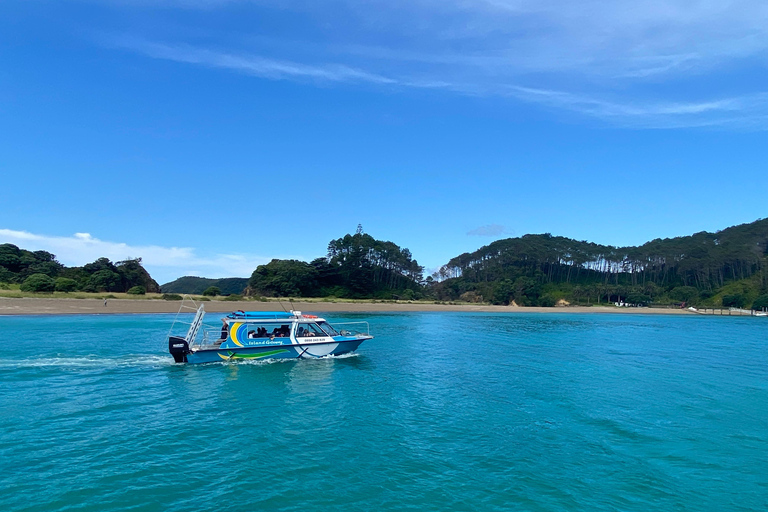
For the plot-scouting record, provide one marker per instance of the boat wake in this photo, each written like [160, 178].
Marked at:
[268, 361]
[87, 362]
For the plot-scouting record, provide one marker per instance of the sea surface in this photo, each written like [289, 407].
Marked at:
[441, 411]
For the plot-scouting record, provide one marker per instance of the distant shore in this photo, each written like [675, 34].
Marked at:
[50, 306]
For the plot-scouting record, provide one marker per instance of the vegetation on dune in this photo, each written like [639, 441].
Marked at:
[39, 271]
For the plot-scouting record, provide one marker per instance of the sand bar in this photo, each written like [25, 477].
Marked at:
[47, 306]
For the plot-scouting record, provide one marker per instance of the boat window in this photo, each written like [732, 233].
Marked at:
[306, 330]
[268, 330]
[326, 327]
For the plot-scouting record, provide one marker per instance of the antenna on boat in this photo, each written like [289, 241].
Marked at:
[291, 303]
[281, 305]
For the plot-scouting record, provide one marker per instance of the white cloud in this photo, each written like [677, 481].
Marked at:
[253, 64]
[163, 263]
[658, 63]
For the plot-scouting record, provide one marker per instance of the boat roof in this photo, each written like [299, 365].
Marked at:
[270, 315]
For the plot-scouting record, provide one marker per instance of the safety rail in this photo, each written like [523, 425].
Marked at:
[189, 306]
[192, 309]
[347, 332]
[210, 336]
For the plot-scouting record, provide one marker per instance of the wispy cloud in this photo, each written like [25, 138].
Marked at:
[490, 230]
[252, 64]
[163, 263]
[657, 63]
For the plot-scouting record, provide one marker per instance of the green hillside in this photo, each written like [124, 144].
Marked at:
[197, 285]
[728, 268]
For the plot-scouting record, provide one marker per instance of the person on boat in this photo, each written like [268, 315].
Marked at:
[224, 330]
[261, 332]
[251, 334]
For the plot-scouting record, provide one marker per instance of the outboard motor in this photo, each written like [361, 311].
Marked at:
[179, 348]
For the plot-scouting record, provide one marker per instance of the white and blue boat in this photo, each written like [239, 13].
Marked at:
[263, 335]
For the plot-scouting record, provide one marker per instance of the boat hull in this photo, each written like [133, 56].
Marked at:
[287, 351]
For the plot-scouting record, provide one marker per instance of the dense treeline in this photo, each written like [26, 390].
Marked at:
[356, 266]
[540, 269]
[39, 271]
[726, 268]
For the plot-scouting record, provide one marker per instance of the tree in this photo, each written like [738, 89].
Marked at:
[760, 302]
[212, 291]
[137, 290]
[284, 278]
[38, 283]
[65, 284]
[736, 300]
[687, 294]
[105, 280]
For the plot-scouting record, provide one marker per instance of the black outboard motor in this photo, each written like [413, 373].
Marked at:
[179, 348]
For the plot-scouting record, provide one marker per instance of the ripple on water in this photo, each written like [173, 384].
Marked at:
[441, 411]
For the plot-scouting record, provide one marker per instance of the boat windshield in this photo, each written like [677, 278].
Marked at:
[327, 329]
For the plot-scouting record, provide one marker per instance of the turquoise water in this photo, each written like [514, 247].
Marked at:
[442, 411]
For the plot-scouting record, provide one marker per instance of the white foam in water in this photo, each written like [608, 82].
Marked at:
[88, 362]
[287, 360]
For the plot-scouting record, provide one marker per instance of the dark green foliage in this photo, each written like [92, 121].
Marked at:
[284, 278]
[133, 274]
[638, 299]
[684, 269]
[212, 291]
[38, 283]
[366, 267]
[547, 301]
[18, 264]
[357, 266]
[104, 281]
[233, 297]
[197, 285]
[65, 284]
[137, 290]
[687, 294]
[172, 296]
[760, 302]
[736, 300]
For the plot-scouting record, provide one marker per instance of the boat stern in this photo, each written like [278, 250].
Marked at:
[179, 348]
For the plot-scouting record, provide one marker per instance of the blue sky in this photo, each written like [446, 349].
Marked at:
[211, 136]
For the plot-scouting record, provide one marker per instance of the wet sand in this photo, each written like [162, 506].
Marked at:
[43, 306]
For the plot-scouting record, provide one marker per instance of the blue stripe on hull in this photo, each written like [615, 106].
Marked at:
[270, 352]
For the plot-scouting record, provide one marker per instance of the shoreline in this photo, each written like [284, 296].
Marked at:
[49, 306]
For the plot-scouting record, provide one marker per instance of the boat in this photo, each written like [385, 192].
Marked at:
[256, 335]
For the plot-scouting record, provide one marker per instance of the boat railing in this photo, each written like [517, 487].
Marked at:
[211, 336]
[344, 331]
[188, 306]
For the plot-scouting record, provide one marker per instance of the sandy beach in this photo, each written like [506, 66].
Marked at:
[48, 306]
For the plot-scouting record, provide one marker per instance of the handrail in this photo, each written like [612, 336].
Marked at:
[367, 327]
[183, 305]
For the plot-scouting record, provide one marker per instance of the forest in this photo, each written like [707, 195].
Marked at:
[356, 266]
[39, 271]
[728, 268]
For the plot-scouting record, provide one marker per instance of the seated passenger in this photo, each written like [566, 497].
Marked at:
[261, 332]
[251, 334]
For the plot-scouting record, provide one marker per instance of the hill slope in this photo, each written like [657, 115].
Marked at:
[197, 285]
